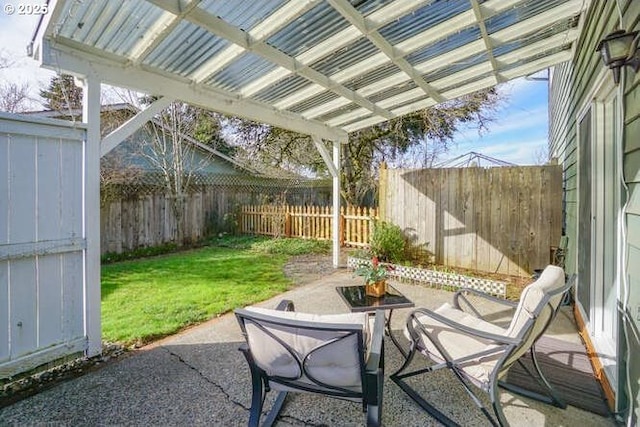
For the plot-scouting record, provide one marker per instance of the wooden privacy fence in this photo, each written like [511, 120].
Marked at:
[147, 219]
[313, 222]
[499, 220]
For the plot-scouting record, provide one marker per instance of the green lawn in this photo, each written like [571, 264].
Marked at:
[149, 298]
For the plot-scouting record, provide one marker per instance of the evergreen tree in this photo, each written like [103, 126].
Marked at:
[62, 94]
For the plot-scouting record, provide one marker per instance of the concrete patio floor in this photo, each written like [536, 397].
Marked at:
[199, 378]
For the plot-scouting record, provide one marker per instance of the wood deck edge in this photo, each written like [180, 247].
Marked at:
[598, 369]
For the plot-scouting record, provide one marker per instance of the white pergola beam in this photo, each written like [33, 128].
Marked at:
[268, 79]
[127, 129]
[364, 124]
[465, 75]
[440, 31]
[332, 44]
[368, 26]
[159, 31]
[462, 76]
[454, 25]
[462, 53]
[472, 87]
[487, 41]
[281, 18]
[345, 37]
[540, 46]
[137, 78]
[416, 42]
[219, 27]
[418, 105]
[457, 55]
[381, 85]
[218, 62]
[352, 15]
[537, 65]
[270, 25]
[402, 98]
[325, 108]
[538, 22]
[302, 94]
[347, 117]
[393, 11]
[326, 156]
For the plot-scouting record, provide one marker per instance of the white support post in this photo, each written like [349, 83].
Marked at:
[91, 214]
[334, 168]
[336, 205]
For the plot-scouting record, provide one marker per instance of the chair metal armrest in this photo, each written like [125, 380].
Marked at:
[285, 305]
[461, 295]
[375, 353]
[459, 326]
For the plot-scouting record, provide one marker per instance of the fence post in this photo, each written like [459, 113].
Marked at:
[342, 226]
[287, 221]
[382, 191]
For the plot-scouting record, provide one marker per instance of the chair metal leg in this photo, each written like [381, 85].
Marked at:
[551, 397]
[398, 377]
[275, 409]
[497, 406]
[373, 415]
[257, 399]
[557, 401]
[430, 409]
[374, 400]
[258, 394]
[475, 398]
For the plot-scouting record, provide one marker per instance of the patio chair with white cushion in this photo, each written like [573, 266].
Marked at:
[336, 355]
[479, 352]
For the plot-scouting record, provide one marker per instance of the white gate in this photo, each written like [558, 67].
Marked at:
[42, 244]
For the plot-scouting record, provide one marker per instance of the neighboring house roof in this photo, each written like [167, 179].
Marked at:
[129, 149]
[136, 151]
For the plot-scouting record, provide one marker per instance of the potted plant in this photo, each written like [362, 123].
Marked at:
[374, 277]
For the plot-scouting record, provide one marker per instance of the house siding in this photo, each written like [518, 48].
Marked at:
[632, 178]
[571, 87]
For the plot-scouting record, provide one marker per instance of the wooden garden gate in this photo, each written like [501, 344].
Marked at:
[42, 242]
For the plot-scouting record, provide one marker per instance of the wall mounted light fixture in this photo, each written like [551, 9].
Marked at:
[618, 49]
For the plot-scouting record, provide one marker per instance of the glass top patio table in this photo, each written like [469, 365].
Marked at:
[358, 301]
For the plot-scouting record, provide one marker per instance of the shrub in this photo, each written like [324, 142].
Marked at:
[387, 242]
[144, 252]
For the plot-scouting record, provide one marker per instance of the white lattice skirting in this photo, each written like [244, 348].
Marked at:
[437, 278]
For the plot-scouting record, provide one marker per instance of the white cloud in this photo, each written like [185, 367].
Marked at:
[519, 152]
[510, 120]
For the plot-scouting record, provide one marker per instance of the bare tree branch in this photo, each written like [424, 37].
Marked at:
[418, 138]
[14, 97]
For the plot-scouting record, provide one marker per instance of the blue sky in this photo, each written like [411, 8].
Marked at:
[518, 134]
